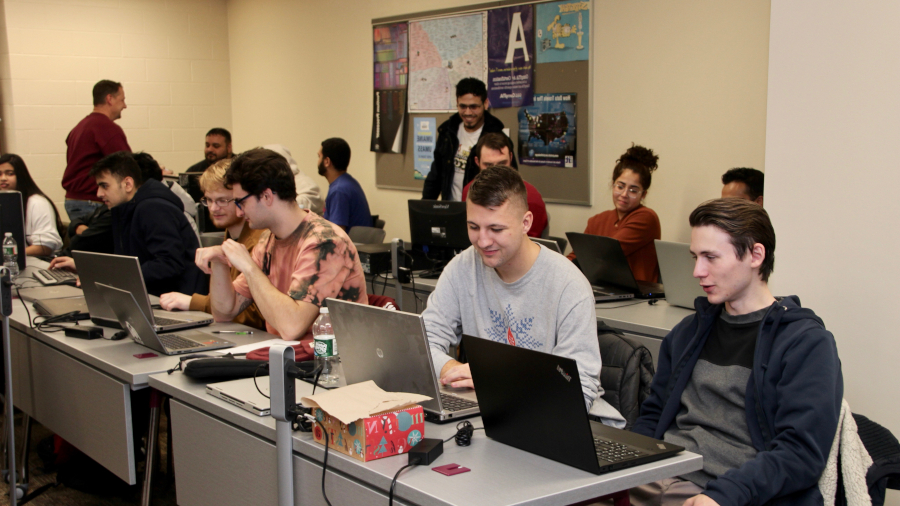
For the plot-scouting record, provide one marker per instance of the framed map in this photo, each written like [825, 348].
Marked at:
[441, 52]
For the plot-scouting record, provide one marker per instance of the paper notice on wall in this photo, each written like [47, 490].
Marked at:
[547, 131]
[425, 135]
[511, 56]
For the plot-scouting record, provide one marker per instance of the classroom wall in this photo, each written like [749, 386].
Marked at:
[832, 156]
[170, 55]
[687, 79]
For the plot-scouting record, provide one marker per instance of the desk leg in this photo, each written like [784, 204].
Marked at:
[152, 442]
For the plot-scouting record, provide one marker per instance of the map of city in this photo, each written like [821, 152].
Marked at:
[443, 51]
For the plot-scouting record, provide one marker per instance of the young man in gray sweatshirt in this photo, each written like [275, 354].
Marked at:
[509, 289]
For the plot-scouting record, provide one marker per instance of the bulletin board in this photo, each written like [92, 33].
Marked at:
[561, 185]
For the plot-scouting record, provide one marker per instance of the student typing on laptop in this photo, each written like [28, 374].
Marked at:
[301, 259]
[766, 444]
[509, 289]
[631, 223]
[148, 222]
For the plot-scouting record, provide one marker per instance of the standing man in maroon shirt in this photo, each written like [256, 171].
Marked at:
[93, 138]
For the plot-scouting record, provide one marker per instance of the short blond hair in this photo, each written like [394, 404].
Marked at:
[214, 176]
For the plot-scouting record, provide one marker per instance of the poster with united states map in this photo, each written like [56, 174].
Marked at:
[442, 51]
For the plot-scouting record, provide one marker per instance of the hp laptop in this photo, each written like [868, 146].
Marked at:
[515, 384]
[676, 266]
[33, 293]
[244, 394]
[604, 264]
[391, 348]
[548, 243]
[132, 318]
[124, 272]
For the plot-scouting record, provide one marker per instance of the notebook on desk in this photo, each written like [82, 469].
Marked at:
[124, 272]
[676, 266]
[533, 401]
[391, 348]
[605, 265]
[132, 318]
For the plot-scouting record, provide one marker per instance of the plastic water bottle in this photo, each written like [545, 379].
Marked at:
[325, 348]
[11, 254]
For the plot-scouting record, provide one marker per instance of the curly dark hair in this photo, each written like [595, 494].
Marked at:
[640, 160]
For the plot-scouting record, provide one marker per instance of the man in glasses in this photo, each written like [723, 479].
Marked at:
[223, 213]
[301, 259]
[454, 166]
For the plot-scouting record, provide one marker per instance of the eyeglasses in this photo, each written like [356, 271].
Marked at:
[632, 192]
[219, 202]
[471, 107]
[240, 201]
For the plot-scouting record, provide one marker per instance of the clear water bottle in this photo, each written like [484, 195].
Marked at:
[11, 255]
[325, 349]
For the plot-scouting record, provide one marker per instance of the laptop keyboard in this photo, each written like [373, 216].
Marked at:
[176, 342]
[162, 322]
[611, 451]
[454, 403]
[53, 277]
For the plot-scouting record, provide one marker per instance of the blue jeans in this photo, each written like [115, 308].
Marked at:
[80, 208]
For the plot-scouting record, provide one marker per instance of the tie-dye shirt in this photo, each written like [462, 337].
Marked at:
[317, 261]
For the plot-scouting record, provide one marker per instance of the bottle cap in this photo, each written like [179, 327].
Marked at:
[322, 310]
[8, 234]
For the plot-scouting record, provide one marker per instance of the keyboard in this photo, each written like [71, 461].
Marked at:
[611, 451]
[454, 403]
[176, 342]
[54, 277]
[162, 322]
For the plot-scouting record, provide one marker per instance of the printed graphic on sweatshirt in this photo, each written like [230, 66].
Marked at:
[512, 330]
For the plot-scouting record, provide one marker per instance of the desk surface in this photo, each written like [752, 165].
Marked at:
[500, 474]
[642, 318]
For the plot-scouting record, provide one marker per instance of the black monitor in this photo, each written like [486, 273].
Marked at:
[12, 219]
[439, 228]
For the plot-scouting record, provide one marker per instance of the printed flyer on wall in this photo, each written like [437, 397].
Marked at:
[511, 56]
[563, 31]
[425, 130]
[547, 131]
[391, 58]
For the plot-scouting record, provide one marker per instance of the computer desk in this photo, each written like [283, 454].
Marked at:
[81, 390]
[225, 455]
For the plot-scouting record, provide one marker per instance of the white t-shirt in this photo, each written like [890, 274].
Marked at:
[40, 223]
[467, 141]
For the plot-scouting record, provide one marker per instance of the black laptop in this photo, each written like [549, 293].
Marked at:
[533, 401]
[604, 264]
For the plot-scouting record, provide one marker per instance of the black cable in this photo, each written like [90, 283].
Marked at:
[463, 434]
[30, 325]
[316, 381]
[412, 279]
[325, 461]
[414, 462]
[604, 306]
[254, 380]
[52, 323]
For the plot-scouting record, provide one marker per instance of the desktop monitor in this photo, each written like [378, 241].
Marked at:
[12, 219]
[439, 228]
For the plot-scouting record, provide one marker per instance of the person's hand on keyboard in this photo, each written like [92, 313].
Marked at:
[457, 376]
[173, 301]
[65, 263]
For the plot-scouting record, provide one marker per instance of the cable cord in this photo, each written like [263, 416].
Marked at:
[325, 461]
[30, 324]
[464, 431]
[414, 462]
[260, 366]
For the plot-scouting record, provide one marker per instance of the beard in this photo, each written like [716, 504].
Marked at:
[321, 168]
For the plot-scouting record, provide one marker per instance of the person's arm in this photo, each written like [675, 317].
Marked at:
[443, 323]
[113, 140]
[431, 190]
[652, 407]
[637, 231]
[40, 228]
[576, 336]
[225, 301]
[159, 230]
[338, 209]
[97, 237]
[809, 394]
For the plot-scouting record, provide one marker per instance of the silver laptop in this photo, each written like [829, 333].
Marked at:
[548, 243]
[244, 394]
[132, 318]
[391, 348]
[124, 272]
[49, 292]
[676, 266]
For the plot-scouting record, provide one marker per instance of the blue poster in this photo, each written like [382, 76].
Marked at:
[547, 131]
[425, 131]
[563, 31]
[511, 56]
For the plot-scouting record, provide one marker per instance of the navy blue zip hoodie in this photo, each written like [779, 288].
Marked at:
[793, 402]
[153, 228]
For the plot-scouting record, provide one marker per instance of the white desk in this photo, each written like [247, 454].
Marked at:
[647, 323]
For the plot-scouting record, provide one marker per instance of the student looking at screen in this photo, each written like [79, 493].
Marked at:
[631, 223]
[43, 229]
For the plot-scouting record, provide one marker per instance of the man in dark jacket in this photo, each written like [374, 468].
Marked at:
[454, 165]
[751, 382]
[148, 222]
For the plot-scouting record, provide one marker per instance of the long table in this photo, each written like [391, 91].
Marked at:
[225, 455]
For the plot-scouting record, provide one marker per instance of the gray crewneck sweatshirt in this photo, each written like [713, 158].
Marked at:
[549, 309]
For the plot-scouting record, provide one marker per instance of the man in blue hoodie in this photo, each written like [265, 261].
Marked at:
[751, 382]
[148, 222]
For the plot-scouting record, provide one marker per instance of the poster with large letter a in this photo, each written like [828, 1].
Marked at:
[511, 56]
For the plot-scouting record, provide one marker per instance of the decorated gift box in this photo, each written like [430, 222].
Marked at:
[374, 437]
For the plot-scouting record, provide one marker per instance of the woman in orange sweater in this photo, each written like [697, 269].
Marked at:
[632, 224]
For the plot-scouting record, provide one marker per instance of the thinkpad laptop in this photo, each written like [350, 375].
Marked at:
[676, 266]
[391, 348]
[604, 264]
[124, 272]
[132, 318]
[547, 243]
[517, 387]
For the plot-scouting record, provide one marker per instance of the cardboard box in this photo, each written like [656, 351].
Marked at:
[376, 436]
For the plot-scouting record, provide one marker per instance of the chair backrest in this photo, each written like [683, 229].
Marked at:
[626, 374]
[545, 234]
[377, 222]
[383, 301]
[366, 235]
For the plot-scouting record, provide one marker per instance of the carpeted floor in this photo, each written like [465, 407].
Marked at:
[163, 493]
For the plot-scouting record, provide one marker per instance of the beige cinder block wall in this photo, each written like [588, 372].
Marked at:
[687, 79]
[171, 57]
